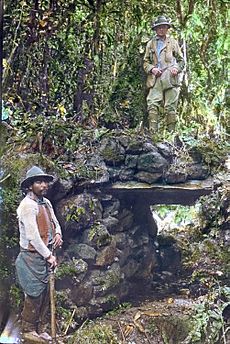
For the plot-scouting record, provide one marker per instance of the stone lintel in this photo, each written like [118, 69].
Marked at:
[185, 193]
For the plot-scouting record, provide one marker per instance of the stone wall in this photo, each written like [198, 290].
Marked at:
[110, 251]
[123, 158]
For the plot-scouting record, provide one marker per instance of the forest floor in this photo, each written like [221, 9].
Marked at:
[163, 315]
[149, 321]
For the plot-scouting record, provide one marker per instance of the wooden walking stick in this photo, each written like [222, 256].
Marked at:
[52, 305]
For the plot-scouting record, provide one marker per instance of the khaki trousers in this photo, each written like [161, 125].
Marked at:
[169, 98]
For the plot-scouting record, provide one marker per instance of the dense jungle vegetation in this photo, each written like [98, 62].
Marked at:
[78, 64]
[72, 70]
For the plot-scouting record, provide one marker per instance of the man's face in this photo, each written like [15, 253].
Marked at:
[162, 30]
[39, 187]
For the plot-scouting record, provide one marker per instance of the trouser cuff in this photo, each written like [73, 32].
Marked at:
[171, 121]
[28, 327]
[153, 121]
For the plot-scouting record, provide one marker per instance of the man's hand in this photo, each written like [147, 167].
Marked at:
[52, 261]
[174, 71]
[57, 241]
[156, 71]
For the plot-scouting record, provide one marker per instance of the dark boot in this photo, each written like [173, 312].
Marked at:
[30, 313]
[44, 319]
[30, 319]
[29, 333]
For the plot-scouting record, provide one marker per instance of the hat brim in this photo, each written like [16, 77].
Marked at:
[30, 180]
[164, 23]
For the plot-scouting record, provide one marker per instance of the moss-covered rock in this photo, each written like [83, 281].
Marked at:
[112, 152]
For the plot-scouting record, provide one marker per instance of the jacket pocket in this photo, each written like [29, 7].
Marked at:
[174, 80]
[150, 82]
[168, 80]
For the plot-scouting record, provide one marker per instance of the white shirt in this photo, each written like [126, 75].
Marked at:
[29, 234]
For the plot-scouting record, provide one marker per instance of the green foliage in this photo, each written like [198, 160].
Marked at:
[205, 35]
[119, 309]
[15, 168]
[209, 325]
[213, 152]
[63, 305]
[94, 334]
[212, 210]
[10, 196]
[83, 60]
[53, 135]
[75, 213]
[181, 214]
[3, 138]
[16, 296]
[127, 101]
[173, 329]
[5, 269]
[64, 313]
[93, 231]
[99, 235]
[66, 269]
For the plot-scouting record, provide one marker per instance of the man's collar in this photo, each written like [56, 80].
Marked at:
[160, 39]
[41, 201]
[32, 196]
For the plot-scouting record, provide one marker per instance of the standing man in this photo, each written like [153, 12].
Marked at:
[40, 233]
[163, 61]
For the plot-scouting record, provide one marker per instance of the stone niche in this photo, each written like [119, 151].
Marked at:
[111, 248]
[102, 200]
[109, 251]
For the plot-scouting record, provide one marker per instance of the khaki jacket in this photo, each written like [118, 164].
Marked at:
[170, 56]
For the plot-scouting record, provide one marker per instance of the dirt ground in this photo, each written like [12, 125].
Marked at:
[148, 322]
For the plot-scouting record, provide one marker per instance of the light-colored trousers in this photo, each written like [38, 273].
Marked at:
[159, 96]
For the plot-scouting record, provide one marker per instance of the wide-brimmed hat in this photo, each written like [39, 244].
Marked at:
[34, 174]
[161, 20]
